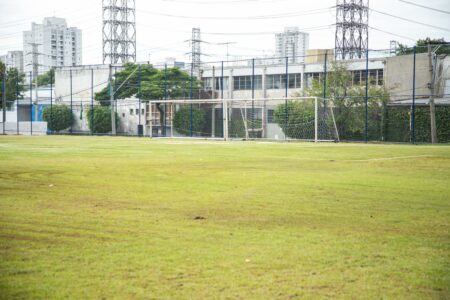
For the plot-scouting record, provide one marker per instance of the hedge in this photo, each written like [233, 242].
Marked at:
[102, 119]
[58, 117]
[182, 120]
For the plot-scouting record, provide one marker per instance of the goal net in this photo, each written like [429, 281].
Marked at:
[303, 118]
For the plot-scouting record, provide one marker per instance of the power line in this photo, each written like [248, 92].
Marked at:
[268, 32]
[409, 20]
[426, 7]
[274, 16]
[391, 33]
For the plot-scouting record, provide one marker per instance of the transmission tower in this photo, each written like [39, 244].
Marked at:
[196, 51]
[119, 31]
[352, 29]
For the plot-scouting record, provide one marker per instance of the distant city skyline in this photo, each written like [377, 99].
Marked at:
[163, 26]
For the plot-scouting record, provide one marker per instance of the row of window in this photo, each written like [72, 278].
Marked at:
[278, 81]
[245, 82]
[376, 77]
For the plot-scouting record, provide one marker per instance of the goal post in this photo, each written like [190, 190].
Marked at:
[289, 119]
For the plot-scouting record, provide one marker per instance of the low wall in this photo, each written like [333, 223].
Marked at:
[25, 128]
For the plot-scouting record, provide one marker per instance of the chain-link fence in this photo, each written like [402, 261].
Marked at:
[386, 96]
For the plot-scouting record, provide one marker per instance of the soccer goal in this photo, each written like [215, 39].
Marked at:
[301, 118]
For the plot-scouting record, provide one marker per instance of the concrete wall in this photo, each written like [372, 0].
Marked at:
[398, 76]
[81, 82]
[25, 128]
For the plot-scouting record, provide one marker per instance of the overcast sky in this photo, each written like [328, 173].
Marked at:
[160, 35]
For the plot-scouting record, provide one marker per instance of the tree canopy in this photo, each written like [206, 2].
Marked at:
[349, 102]
[422, 46]
[46, 78]
[152, 83]
[15, 83]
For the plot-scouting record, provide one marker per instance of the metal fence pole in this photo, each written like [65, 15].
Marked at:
[139, 98]
[366, 116]
[71, 100]
[92, 102]
[413, 108]
[4, 101]
[165, 99]
[253, 98]
[325, 78]
[285, 100]
[51, 102]
[17, 103]
[31, 103]
[190, 97]
[221, 96]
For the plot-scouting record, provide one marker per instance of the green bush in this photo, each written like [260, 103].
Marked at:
[399, 120]
[102, 119]
[295, 118]
[58, 117]
[182, 120]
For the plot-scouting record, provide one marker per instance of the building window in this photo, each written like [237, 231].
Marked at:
[356, 77]
[270, 116]
[137, 112]
[380, 77]
[245, 82]
[131, 111]
[143, 112]
[274, 82]
[207, 83]
[295, 81]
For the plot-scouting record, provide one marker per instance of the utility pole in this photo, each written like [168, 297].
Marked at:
[4, 99]
[434, 139]
[35, 54]
[112, 104]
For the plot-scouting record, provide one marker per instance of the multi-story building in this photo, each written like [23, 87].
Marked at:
[13, 59]
[51, 44]
[292, 43]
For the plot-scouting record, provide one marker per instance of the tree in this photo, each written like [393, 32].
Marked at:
[422, 47]
[349, 103]
[152, 81]
[182, 120]
[15, 84]
[147, 83]
[101, 119]
[58, 117]
[46, 78]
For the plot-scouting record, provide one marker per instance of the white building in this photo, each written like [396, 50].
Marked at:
[292, 43]
[13, 59]
[51, 44]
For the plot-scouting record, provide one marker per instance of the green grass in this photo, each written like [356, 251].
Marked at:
[101, 217]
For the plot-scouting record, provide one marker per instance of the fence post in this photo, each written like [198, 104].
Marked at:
[165, 99]
[4, 101]
[366, 116]
[221, 96]
[139, 99]
[316, 120]
[31, 103]
[71, 101]
[17, 103]
[190, 97]
[325, 79]
[225, 119]
[253, 98]
[92, 101]
[413, 108]
[51, 102]
[285, 100]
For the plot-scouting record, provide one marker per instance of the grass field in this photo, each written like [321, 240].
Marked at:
[101, 218]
